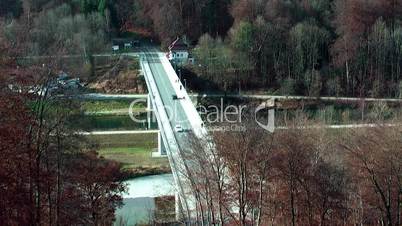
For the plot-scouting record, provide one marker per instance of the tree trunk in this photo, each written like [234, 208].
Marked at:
[58, 181]
[292, 207]
[260, 195]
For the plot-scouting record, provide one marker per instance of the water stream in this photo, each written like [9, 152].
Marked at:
[139, 202]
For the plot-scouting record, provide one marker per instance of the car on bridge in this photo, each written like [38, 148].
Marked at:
[176, 97]
[178, 129]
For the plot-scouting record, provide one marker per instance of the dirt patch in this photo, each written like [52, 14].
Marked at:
[121, 76]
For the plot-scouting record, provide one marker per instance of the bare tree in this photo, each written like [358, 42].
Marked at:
[376, 160]
[248, 156]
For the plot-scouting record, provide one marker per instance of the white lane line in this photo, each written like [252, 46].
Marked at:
[118, 132]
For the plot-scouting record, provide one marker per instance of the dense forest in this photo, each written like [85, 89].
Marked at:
[306, 47]
[49, 173]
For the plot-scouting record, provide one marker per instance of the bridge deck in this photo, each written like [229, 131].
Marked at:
[163, 84]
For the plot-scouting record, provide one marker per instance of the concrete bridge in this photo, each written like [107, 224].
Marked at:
[177, 117]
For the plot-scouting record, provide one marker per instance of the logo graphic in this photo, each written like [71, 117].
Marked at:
[270, 104]
[213, 115]
[131, 112]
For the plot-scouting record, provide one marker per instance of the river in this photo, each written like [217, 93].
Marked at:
[139, 202]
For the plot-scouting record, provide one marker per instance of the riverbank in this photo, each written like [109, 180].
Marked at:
[148, 200]
[137, 172]
[137, 161]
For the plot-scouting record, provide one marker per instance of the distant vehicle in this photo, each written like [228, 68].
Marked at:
[72, 83]
[178, 129]
[62, 77]
[124, 43]
[127, 45]
[63, 83]
[115, 48]
[136, 43]
[175, 97]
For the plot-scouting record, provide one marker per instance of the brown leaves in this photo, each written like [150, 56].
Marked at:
[44, 176]
[375, 158]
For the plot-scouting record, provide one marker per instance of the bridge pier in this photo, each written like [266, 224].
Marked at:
[161, 152]
[161, 145]
[178, 212]
[161, 142]
[149, 111]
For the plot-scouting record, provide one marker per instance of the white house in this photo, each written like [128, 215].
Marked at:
[178, 51]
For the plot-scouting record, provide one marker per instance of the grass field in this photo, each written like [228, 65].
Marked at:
[145, 140]
[133, 150]
[112, 123]
[93, 106]
[134, 157]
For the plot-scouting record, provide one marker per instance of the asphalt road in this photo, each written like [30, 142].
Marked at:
[166, 90]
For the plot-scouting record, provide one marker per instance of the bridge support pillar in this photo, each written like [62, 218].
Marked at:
[149, 111]
[161, 145]
[178, 209]
[161, 152]
[150, 117]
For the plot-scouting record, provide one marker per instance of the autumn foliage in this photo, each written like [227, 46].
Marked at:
[301, 177]
[48, 174]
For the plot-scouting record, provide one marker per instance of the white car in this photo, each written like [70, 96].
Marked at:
[115, 48]
[178, 128]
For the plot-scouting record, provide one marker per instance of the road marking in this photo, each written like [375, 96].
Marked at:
[118, 132]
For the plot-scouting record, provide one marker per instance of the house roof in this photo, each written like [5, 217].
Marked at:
[178, 44]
